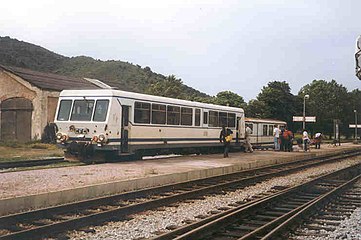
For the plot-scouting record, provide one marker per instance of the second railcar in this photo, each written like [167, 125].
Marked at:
[262, 131]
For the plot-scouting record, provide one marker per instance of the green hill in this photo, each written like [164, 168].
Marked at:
[122, 75]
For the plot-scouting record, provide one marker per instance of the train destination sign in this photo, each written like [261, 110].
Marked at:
[307, 119]
[353, 126]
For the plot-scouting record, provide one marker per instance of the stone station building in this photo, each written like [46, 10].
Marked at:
[28, 100]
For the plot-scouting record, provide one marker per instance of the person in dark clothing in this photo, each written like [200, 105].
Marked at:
[287, 137]
[225, 137]
[282, 140]
[318, 140]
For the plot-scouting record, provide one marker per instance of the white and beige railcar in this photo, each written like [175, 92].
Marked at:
[262, 131]
[121, 123]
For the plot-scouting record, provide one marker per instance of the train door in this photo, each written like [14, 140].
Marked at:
[205, 123]
[255, 133]
[125, 129]
[240, 127]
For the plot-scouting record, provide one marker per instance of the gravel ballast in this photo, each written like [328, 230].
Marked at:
[145, 225]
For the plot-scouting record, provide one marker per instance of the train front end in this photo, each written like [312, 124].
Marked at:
[85, 125]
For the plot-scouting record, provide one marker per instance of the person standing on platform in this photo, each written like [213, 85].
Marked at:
[276, 138]
[306, 141]
[248, 140]
[286, 139]
[290, 140]
[225, 137]
[318, 140]
[282, 140]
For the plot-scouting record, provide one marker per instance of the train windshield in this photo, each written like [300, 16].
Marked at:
[83, 110]
[64, 110]
[101, 109]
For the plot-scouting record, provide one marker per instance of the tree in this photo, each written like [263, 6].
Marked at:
[278, 101]
[328, 101]
[228, 98]
[256, 109]
[170, 87]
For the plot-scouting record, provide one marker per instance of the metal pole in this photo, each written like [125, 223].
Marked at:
[355, 126]
[304, 112]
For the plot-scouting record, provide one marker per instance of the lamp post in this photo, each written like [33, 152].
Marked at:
[355, 111]
[304, 110]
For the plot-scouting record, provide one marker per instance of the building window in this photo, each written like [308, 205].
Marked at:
[197, 121]
[101, 110]
[64, 110]
[141, 112]
[186, 116]
[82, 110]
[231, 120]
[173, 115]
[158, 114]
[213, 119]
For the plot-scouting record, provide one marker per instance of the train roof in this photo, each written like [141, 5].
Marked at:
[143, 97]
[259, 120]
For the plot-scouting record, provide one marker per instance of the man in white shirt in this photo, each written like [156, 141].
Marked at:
[276, 138]
[306, 141]
[248, 140]
[318, 140]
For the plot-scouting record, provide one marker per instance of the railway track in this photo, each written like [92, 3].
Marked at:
[20, 165]
[52, 220]
[270, 217]
[31, 163]
[330, 213]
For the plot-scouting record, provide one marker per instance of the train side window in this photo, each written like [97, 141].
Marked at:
[265, 130]
[101, 110]
[223, 119]
[231, 120]
[205, 117]
[82, 110]
[141, 112]
[158, 114]
[173, 115]
[64, 110]
[197, 121]
[186, 116]
[270, 130]
[213, 119]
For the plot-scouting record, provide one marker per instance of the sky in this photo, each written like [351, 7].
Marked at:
[211, 45]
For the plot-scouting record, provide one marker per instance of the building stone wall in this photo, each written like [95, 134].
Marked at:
[44, 102]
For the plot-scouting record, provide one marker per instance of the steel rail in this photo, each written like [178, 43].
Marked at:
[31, 163]
[206, 226]
[120, 208]
[309, 210]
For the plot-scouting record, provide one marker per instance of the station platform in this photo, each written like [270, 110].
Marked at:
[24, 190]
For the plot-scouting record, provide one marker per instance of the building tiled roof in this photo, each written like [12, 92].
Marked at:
[49, 81]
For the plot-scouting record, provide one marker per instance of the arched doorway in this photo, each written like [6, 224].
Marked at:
[16, 119]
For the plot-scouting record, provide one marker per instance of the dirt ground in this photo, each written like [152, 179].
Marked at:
[29, 151]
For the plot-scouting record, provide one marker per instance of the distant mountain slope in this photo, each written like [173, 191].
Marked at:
[22, 54]
[122, 75]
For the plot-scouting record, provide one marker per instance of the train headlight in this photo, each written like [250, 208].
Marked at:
[58, 136]
[95, 139]
[64, 138]
[102, 138]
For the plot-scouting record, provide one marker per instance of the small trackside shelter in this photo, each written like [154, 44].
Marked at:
[28, 101]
